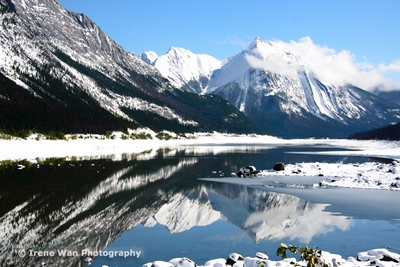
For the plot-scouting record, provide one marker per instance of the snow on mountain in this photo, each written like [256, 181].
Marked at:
[261, 214]
[67, 61]
[42, 28]
[149, 57]
[184, 68]
[280, 86]
[184, 212]
[294, 89]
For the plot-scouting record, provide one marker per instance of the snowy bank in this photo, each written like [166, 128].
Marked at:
[92, 146]
[371, 175]
[31, 148]
[374, 257]
[368, 175]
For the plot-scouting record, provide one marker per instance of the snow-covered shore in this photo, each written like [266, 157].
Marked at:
[96, 145]
[374, 257]
[367, 175]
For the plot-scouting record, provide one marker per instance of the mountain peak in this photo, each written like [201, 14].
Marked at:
[254, 44]
[149, 57]
[258, 42]
[184, 68]
[177, 50]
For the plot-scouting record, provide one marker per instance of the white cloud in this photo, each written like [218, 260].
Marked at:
[274, 64]
[327, 64]
[395, 66]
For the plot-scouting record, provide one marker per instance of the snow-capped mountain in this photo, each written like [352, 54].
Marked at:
[289, 91]
[183, 68]
[261, 214]
[64, 74]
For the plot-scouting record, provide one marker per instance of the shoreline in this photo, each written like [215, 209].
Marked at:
[31, 149]
[375, 257]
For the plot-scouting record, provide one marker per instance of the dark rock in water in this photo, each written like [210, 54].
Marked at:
[280, 166]
[247, 171]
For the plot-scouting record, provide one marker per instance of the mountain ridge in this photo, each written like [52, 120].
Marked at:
[183, 68]
[66, 61]
[290, 92]
[75, 78]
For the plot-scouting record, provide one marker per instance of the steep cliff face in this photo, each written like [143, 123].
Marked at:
[291, 94]
[71, 68]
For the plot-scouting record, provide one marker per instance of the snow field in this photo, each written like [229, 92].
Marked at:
[368, 175]
[375, 257]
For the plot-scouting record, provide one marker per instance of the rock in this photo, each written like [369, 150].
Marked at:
[378, 255]
[248, 171]
[185, 262]
[158, 264]
[280, 166]
[262, 256]
[215, 263]
[234, 259]
[255, 262]
[396, 184]
[88, 260]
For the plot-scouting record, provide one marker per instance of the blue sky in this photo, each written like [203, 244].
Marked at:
[369, 29]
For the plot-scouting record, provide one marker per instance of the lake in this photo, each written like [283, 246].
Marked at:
[130, 209]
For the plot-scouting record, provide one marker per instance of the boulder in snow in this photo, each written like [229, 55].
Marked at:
[235, 259]
[280, 166]
[377, 255]
[185, 262]
[248, 171]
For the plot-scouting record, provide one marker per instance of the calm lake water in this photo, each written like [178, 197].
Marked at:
[151, 206]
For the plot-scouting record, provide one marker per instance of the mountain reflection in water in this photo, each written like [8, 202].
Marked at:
[73, 205]
[261, 214]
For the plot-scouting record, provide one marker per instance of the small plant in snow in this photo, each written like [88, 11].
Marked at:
[313, 257]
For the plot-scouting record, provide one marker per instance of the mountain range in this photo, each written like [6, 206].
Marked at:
[61, 73]
[280, 90]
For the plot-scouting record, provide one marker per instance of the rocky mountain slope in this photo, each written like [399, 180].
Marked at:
[289, 95]
[183, 68]
[60, 72]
